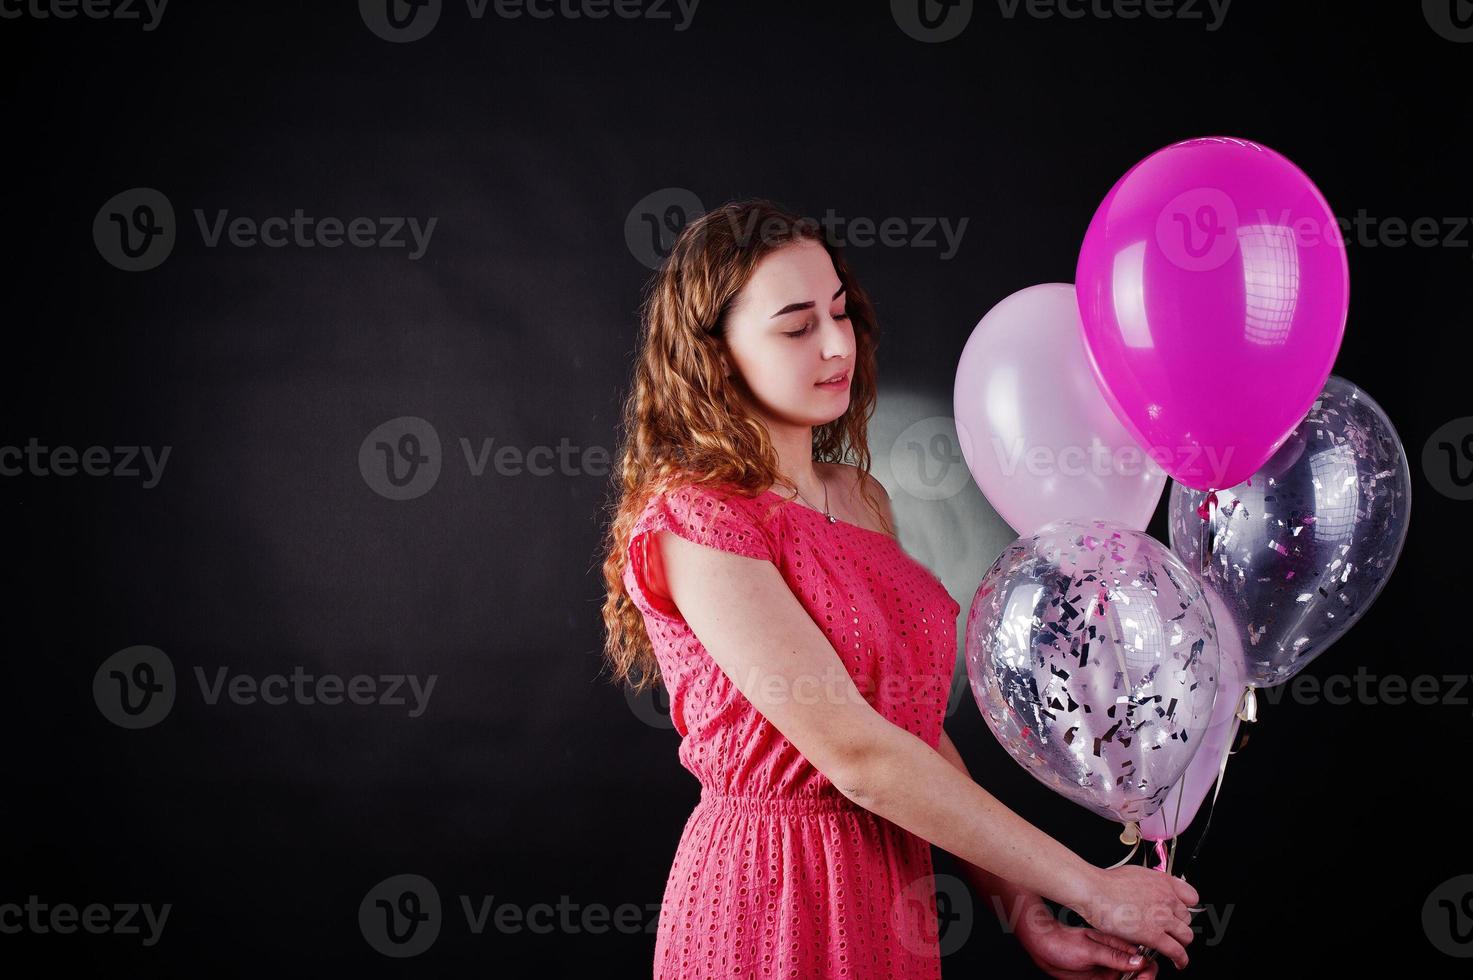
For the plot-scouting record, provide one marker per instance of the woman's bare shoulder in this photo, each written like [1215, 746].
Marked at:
[847, 476]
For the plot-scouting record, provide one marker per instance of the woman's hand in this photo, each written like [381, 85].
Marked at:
[1142, 905]
[1075, 952]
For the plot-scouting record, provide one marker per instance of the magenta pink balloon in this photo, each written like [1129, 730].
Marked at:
[1213, 288]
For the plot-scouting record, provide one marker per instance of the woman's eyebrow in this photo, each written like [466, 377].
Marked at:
[794, 307]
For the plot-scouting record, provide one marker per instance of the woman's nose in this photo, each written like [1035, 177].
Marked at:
[838, 341]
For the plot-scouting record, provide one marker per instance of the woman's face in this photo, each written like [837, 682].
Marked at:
[788, 330]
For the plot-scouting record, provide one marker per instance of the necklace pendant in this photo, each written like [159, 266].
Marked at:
[832, 519]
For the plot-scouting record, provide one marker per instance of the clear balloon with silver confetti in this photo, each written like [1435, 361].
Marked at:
[1300, 550]
[1093, 657]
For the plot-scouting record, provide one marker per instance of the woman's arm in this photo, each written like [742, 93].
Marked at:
[1056, 949]
[762, 638]
[748, 619]
[1009, 901]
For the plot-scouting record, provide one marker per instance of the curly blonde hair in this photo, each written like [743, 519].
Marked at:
[686, 423]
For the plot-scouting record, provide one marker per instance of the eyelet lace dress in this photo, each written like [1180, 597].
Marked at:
[776, 873]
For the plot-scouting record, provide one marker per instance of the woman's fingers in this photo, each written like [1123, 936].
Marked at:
[1185, 892]
[1181, 931]
[1115, 953]
[1172, 950]
[1114, 942]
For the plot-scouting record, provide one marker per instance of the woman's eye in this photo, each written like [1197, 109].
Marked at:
[809, 326]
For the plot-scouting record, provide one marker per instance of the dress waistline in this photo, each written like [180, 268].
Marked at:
[748, 803]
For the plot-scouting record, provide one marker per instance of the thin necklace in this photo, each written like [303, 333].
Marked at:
[831, 517]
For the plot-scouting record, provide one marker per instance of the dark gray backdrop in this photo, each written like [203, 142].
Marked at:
[544, 151]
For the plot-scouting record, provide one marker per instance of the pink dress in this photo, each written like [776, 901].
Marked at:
[777, 874]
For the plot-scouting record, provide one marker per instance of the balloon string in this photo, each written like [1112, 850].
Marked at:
[1168, 858]
[1244, 697]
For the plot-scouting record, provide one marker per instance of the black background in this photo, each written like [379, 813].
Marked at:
[529, 777]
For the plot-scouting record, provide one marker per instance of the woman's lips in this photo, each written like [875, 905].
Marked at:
[839, 385]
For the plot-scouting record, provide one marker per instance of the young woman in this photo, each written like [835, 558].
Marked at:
[807, 657]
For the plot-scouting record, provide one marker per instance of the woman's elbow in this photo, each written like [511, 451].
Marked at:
[863, 766]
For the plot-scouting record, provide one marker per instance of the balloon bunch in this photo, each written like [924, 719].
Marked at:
[1209, 303]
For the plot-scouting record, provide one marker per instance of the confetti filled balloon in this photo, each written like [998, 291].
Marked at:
[1300, 550]
[1191, 790]
[1093, 657]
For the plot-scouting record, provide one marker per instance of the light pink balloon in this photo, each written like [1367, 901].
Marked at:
[1035, 429]
[1189, 792]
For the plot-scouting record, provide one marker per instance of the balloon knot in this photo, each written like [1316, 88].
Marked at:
[1248, 707]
